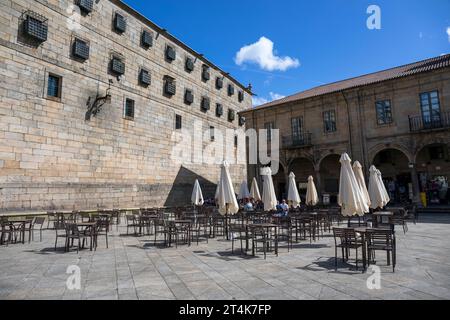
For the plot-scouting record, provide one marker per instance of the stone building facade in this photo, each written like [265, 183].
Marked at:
[58, 62]
[397, 119]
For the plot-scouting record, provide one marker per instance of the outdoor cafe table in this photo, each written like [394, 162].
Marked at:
[379, 216]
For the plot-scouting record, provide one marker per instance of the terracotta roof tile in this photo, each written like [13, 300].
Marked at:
[394, 73]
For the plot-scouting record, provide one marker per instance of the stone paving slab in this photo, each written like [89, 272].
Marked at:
[132, 268]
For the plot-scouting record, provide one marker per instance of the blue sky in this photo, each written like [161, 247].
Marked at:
[314, 42]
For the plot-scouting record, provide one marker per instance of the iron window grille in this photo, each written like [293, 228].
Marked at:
[171, 54]
[81, 49]
[219, 83]
[117, 66]
[219, 110]
[242, 121]
[206, 104]
[189, 64]
[145, 77]
[120, 24]
[188, 97]
[129, 109]
[170, 87]
[231, 115]
[146, 39]
[241, 96]
[85, 6]
[230, 90]
[35, 26]
[205, 74]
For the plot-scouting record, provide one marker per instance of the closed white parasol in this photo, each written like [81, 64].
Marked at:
[293, 195]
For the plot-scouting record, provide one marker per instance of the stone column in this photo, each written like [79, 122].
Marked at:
[318, 183]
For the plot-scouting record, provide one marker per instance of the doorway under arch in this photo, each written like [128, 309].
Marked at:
[394, 167]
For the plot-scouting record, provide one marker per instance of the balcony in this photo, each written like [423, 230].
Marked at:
[294, 142]
[420, 123]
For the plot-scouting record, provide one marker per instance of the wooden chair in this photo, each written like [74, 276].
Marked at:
[382, 240]
[347, 239]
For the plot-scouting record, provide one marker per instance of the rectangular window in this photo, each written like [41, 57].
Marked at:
[431, 109]
[212, 133]
[54, 86]
[129, 109]
[384, 112]
[297, 128]
[269, 126]
[178, 122]
[329, 121]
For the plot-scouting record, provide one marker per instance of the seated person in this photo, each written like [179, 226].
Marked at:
[248, 205]
[284, 207]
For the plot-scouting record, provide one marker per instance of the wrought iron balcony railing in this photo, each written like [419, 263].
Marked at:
[421, 123]
[302, 140]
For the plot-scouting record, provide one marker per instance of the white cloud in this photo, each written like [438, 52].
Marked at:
[262, 53]
[257, 101]
[448, 33]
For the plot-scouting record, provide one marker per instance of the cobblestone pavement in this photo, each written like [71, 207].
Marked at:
[132, 268]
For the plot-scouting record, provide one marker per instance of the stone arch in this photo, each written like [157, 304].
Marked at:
[394, 165]
[302, 167]
[428, 142]
[395, 146]
[329, 174]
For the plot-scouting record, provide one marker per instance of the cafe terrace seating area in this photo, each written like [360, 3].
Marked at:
[196, 253]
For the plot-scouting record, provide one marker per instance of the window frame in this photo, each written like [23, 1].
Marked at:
[58, 97]
[125, 108]
[382, 119]
[178, 122]
[430, 106]
[329, 117]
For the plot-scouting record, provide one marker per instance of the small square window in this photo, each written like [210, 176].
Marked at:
[171, 54]
[219, 110]
[54, 85]
[241, 96]
[231, 115]
[129, 109]
[188, 97]
[205, 73]
[145, 78]
[80, 49]
[189, 66]
[170, 87]
[178, 122]
[230, 90]
[146, 39]
[117, 66]
[85, 6]
[120, 24]
[205, 104]
[36, 27]
[219, 83]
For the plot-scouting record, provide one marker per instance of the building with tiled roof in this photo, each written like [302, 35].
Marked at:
[397, 119]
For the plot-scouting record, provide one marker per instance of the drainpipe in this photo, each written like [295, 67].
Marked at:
[349, 124]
